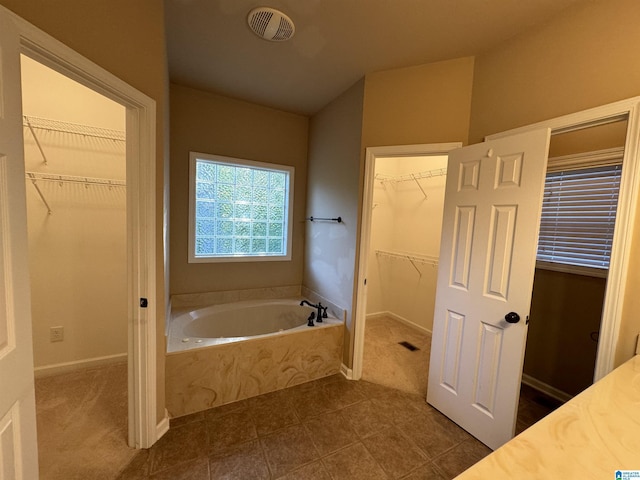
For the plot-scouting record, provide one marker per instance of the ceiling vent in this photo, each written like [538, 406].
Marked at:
[270, 24]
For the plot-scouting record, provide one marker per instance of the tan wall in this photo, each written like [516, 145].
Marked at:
[565, 310]
[209, 123]
[127, 39]
[585, 57]
[334, 182]
[423, 104]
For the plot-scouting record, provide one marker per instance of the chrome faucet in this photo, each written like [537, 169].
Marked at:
[321, 311]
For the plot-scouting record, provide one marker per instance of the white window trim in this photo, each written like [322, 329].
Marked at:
[193, 157]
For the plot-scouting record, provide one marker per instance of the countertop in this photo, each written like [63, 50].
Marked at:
[590, 437]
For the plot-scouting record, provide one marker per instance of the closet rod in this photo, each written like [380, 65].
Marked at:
[73, 128]
[47, 177]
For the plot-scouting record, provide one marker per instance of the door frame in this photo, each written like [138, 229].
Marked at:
[625, 216]
[372, 154]
[144, 428]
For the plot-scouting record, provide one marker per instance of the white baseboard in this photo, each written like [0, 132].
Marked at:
[545, 388]
[66, 367]
[163, 426]
[400, 319]
[346, 371]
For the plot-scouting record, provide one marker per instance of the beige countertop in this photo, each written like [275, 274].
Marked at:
[590, 437]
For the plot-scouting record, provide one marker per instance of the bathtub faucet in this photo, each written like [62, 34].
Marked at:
[321, 311]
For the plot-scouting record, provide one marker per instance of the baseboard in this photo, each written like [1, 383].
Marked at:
[163, 426]
[66, 367]
[346, 371]
[399, 319]
[545, 388]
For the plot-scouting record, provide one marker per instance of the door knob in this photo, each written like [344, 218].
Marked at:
[512, 317]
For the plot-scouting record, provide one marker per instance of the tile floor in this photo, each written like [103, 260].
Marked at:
[385, 362]
[328, 429]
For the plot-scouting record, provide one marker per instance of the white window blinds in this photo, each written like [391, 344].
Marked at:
[578, 216]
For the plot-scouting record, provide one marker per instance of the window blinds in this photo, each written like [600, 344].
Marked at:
[578, 216]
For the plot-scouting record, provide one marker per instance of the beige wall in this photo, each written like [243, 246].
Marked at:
[77, 255]
[333, 187]
[565, 310]
[102, 31]
[423, 104]
[209, 123]
[405, 220]
[584, 58]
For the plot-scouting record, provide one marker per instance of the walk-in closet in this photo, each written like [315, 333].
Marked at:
[75, 163]
[408, 201]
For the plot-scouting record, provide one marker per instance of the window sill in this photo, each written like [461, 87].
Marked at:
[573, 269]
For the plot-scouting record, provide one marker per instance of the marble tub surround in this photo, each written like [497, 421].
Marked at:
[593, 435]
[183, 302]
[335, 310]
[206, 377]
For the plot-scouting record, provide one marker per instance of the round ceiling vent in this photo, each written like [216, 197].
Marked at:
[271, 24]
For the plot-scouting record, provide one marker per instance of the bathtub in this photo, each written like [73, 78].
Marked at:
[238, 321]
[219, 354]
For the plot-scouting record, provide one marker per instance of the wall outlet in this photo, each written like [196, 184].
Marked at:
[56, 334]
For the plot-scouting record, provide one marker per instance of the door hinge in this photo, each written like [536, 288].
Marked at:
[144, 303]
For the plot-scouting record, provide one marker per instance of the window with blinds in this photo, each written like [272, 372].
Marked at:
[578, 217]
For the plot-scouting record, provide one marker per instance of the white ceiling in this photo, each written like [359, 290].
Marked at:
[336, 42]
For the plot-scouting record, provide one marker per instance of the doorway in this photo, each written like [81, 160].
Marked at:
[75, 163]
[583, 173]
[146, 425]
[408, 198]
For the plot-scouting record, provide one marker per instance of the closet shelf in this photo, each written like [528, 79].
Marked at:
[410, 177]
[86, 181]
[47, 124]
[413, 258]
[49, 177]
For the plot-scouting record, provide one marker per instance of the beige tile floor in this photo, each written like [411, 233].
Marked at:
[328, 429]
[385, 362]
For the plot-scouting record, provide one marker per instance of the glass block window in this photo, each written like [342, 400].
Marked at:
[240, 210]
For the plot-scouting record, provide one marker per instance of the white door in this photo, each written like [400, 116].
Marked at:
[18, 445]
[493, 200]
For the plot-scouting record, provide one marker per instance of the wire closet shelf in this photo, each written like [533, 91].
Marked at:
[33, 123]
[413, 258]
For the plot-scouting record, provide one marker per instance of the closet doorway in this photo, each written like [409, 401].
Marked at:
[75, 163]
[401, 222]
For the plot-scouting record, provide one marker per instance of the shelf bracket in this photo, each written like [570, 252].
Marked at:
[44, 200]
[419, 186]
[35, 137]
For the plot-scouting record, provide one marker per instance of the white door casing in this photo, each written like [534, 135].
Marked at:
[145, 425]
[372, 154]
[493, 200]
[18, 444]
